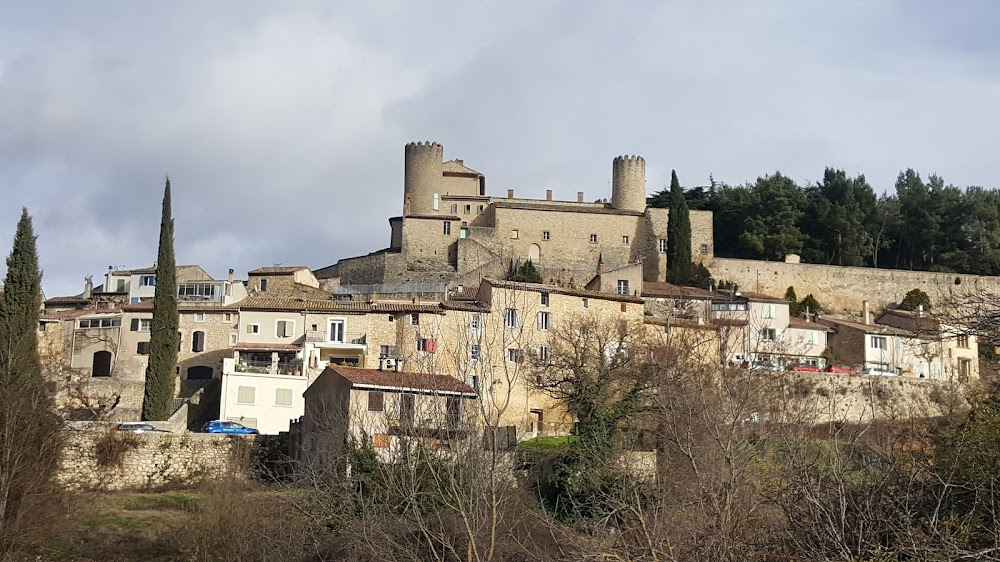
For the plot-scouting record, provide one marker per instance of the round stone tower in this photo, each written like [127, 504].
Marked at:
[628, 183]
[423, 167]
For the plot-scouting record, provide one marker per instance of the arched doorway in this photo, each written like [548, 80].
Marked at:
[102, 364]
[534, 253]
[199, 373]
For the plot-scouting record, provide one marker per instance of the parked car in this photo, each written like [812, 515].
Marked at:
[876, 372]
[230, 427]
[841, 369]
[138, 427]
[804, 368]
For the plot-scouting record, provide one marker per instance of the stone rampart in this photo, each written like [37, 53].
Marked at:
[105, 460]
[844, 288]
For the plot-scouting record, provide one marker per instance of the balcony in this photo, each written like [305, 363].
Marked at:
[283, 366]
[214, 291]
[350, 340]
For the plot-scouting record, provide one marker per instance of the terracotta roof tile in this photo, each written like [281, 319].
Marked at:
[69, 314]
[556, 290]
[143, 270]
[403, 380]
[147, 306]
[279, 303]
[669, 290]
[283, 270]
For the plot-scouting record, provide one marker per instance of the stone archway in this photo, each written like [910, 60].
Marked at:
[534, 253]
[102, 364]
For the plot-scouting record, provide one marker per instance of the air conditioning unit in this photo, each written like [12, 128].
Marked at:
[390, 363]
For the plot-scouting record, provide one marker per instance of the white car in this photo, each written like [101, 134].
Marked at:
[876, 372]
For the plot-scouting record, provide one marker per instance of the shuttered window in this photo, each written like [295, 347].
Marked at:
[246, 395]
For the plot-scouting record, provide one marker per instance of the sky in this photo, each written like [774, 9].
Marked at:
[282, 124]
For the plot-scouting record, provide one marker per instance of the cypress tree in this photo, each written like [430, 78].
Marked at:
[678, 234]
[157, 403]
[29, 424]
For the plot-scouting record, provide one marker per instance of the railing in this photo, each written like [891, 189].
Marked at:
[356, 338]
[260, 367]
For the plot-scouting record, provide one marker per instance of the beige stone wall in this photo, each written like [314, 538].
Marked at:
[845, 288]
[157, 460]
[219, 328]
[427, 247]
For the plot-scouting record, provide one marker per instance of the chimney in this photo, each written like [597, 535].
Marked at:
[510, 194]
[866, 312]
[920, 311]
[807, 314]
[548, 195]
[600, 263]
[579, 197]
[88, 287]
[231, 275]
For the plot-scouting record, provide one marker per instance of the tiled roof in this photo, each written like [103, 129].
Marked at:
[669, 290]
[431, 216]
[403, 381]
[801, 324]
[253, 346]
[465, 306]
[147, 306]
[143, 270]
[284, 270]
[541, 206]
[680, 323]
[279, 303]
[760, 297]
[464, 292]
[69, 314]
[556, 290]
[67, 300]
[874, 328]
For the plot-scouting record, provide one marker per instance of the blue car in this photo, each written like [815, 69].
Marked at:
[230, 427]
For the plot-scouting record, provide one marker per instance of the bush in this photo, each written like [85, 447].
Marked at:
[915, 299]
[111, 448]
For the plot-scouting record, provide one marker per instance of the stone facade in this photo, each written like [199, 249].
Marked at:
[452, 231]
[150, 461]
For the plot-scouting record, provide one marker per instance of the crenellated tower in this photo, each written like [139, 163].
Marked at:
[628, 183]
[423, 167]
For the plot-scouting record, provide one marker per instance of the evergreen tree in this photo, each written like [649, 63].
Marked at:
[158, 401]
[29, 425]
[793, 301]
[915, 299]
[678, 234]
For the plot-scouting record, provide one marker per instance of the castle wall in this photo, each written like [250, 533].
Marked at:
[845, 288]
[427, 247]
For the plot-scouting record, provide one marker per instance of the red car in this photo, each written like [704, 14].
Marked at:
[841, 369]
[804, 368]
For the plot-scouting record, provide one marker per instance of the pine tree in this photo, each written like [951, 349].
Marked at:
[29, 424]
[158, 401]
[678, 234]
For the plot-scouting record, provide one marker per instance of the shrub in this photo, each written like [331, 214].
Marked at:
[111, 448]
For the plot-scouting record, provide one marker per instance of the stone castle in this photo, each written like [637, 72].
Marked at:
[452, 232]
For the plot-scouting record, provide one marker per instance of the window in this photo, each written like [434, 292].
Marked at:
[964, 368]
[337, 331]
[437, 202]
[623, 286]
[543, 321]
[768, 334]
[121, 286]
[227, 317]
[463, 232]
[41, 326]
[253, 328]
[593, 239]
[133, 300]
[101, 323]
[545, 299]
[454, 208]
[246, 395]
[663, 245]
[480, 210]
[586, 303]
[141, 324]
[283, 397]
[407, 404]
[624, 239]
[415, 319]
[284, 328]
[475, 352]
[376, 401]
[147, 280]
[199, 316]
[544, 352]
[232, 339]
[422, 344]
[511, 318]
[515, 355]
[387, 351]
[263, 285]
[447, 228]
[963, 341]
[476, 322]
[453, 411]
[704, 249]
[513, 234]
[142, 348]
[811, 337]
[546, 235]
[198, 342]
[468, 209]
[878, 342]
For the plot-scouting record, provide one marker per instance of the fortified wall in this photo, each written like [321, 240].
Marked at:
[840, 288]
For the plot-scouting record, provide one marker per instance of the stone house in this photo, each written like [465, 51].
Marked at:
[382, 407]
[286, 281]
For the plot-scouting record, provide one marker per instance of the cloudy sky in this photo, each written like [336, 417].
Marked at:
[282, 124]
